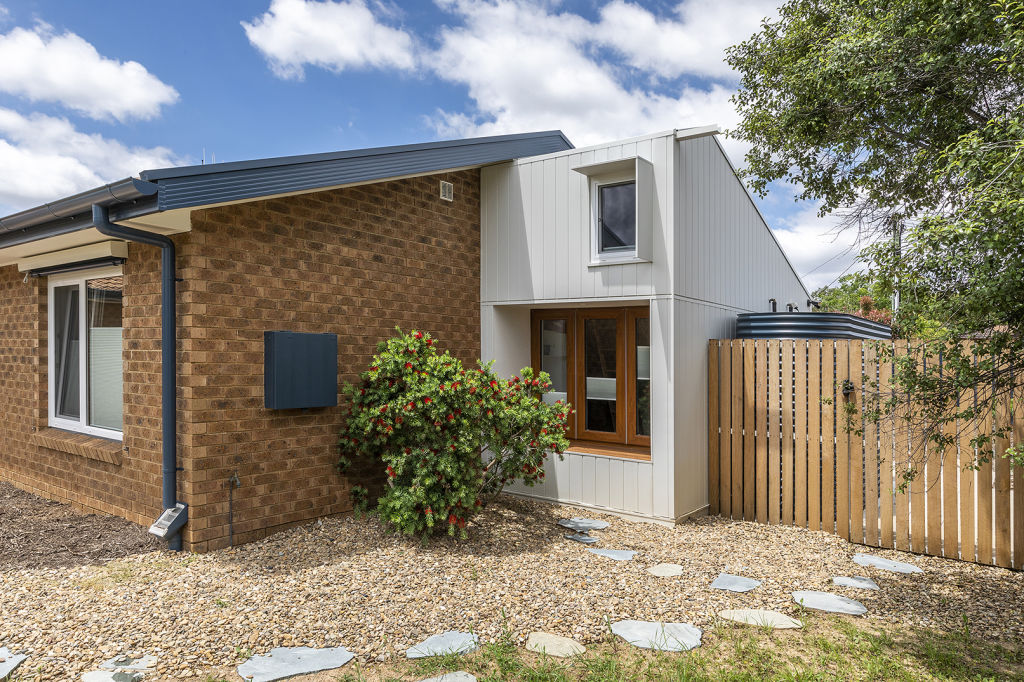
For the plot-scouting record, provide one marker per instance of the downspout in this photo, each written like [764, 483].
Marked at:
[168, 381]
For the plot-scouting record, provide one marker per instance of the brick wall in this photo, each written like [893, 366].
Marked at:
[93, 474]
[355, 262]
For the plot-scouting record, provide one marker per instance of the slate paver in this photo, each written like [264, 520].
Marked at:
[761, 618]
[833, 603]
[283, 662]
[451, 642]
[130, 663]
[659, 636]
[885, 564]
[666, 570]
[460, 676]
[734, 583]
[553, 645]
[617, 554]
[582, 525]
[9, 662]
[858, 581]
[581, 537]
[113, 676]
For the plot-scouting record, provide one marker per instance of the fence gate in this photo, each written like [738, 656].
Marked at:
[779, 452]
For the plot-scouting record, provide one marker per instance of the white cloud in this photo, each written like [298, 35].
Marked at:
[527, 68]
[820, 251]
[45, 157]
[331, 35]
[44, 67]
[694, 44]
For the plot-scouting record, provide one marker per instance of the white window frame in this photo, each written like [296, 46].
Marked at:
[82, 424]
[628, 255]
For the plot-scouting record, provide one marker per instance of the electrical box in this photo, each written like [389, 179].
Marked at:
[300, 370]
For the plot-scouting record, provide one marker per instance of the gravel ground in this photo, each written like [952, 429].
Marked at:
[344, 581]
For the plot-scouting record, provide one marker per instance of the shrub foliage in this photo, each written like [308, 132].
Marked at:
[448, 438]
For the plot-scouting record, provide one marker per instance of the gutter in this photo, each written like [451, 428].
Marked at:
[175, 515]
[128, 189]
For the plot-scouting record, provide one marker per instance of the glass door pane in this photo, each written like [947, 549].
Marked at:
[643, 376]
[600, 344]
[103, 309]
[66, 340]
[554, 357]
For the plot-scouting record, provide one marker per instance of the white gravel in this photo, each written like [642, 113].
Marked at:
[345, 582]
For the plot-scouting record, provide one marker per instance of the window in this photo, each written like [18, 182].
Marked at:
[622, 204]
[616, 217]
[85, 365]
[599, 360]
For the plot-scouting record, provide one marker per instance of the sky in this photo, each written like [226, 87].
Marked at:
[95, 92]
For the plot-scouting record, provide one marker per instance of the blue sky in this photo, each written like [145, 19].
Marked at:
[92, 92]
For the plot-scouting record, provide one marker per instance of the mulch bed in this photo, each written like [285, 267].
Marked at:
[38, 533]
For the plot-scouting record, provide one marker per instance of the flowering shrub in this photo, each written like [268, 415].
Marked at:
[449, 438]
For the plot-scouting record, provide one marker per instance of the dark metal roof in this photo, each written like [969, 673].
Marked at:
[169, 188]
[809, 326]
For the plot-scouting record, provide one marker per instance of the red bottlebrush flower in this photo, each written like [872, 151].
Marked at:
[427, 511]
[398, 421]
[441, 388]
[408, 365]
[391, 383]
[407, 451]
[514, 379]
[544, 431]
[391, 472]
[534, 383]
[477, 503]
[430, 342]
[451, 417]
[458, 412]
[437, 423]
[451, 519]
[494, 384]
[383, 409]
[533, 443]
[417, 335]
[540, 475]
[390, 429]
[472, 389]
[490, 412]
[362, 391]
[452, 446]
[426, 401]
[462, 523]
[374, 368]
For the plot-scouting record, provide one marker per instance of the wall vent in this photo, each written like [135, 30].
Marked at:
[447, 191]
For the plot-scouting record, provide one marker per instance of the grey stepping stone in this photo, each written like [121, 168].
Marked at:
[9, 662]
[617, 554]
[833, 603]
[581, 537]
[582, 525]
[451, 642]
[459, 676]
[858, 581]
[113, 676]
[660, 636]
[761, 618]
[129, 663]
[734, 583]
[666, 570]
[885, 564]
[284, 662]
[553, 645]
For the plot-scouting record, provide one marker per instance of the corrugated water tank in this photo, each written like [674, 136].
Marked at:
[798, 325]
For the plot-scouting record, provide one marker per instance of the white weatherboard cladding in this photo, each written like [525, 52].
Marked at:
[713, 257]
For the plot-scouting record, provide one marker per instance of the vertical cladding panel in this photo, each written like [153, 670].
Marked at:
[560, 227]
[736, 259]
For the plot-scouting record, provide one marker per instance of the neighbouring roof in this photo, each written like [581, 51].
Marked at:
[188, 186]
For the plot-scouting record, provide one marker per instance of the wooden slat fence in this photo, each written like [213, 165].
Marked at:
[780, 453]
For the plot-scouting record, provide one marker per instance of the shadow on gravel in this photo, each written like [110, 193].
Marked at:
[38, 533]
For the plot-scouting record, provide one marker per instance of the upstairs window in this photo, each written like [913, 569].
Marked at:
[85, 352]
[616, 216]
[622, 202]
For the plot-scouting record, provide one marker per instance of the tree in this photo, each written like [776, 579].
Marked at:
[905, 118]
[857, 294]
[447, 438]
